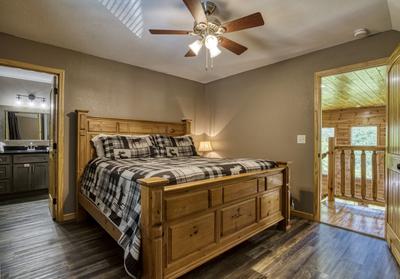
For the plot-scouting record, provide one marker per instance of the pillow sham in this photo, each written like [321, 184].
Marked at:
[142, 152]
[98, 145]
[179, 151]
[182, 146]
[142, 145]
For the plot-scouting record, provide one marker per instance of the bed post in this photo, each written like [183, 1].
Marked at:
[188, 125]
[152, 217]
[81, 157]
[285, 223]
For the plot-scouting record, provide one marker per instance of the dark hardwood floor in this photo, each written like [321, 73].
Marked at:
[33, 246]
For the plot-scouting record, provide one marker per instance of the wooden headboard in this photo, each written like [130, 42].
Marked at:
[90, 126]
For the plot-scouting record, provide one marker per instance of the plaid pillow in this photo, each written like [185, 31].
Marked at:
[142, 152]
[110, 143]
[180, 151]
[161, 143]
[184, 144]
[183, 141]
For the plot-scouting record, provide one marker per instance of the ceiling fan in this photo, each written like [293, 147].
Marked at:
[211, 30]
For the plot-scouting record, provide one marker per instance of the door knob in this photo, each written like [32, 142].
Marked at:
[398, 166]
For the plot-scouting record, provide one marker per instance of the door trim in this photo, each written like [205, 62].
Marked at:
[318, 121]
[60, 133]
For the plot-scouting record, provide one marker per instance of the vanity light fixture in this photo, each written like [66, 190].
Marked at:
[19, 100]
[43, 103]
[31, 100]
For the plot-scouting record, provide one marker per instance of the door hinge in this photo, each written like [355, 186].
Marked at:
[55, 90]
[54, 146]
[54, 201]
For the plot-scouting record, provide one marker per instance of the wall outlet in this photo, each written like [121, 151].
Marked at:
[301, 139]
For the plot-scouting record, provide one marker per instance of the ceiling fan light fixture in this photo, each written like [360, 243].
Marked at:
[214, 52]
[211, 41]
[196, 46]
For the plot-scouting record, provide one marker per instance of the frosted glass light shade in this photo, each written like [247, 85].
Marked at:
[211, 42]
[205, 146]
[196, 46]
[214, 52]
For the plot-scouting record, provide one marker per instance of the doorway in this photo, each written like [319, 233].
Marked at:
[31, 135]
[350, 125]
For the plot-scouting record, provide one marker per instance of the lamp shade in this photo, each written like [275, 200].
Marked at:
[205, 146]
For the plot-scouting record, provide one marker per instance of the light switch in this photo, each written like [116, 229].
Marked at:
[301, 139]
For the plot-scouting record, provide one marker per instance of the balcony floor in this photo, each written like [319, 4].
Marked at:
[349, 215]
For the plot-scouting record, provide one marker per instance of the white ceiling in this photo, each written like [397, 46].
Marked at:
[17, 73]
[10, 87]
[293, 27]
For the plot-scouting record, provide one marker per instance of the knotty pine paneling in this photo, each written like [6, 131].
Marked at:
[342, 120]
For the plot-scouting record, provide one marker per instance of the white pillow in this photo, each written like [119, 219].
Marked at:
[98, 145]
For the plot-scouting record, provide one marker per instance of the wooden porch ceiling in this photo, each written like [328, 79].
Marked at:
[363, 88]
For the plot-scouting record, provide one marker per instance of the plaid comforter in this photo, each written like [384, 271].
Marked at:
[112, 186]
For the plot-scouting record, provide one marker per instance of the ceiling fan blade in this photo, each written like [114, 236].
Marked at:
[246, 22]
[232, 46]
[169, 32]
[190, 53]
[196, 9]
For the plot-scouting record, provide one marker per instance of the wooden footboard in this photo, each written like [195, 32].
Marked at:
[188, 224]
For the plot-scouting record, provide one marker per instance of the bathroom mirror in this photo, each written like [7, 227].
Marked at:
[26, 125]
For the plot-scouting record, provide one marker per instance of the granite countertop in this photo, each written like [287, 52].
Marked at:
[24, 152]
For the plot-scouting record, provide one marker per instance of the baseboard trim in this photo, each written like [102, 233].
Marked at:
[69, 217]
[302, 214]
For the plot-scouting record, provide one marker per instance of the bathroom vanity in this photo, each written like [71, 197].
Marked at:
[23, 171]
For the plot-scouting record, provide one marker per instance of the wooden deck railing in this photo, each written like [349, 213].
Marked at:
[341, 152]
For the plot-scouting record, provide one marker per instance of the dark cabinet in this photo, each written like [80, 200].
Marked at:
[5, 174]
[4, 186]
[40, 176]
[21, 177]
[21, 173]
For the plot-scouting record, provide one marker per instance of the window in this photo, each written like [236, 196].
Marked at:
[326, 133]
[364, 136]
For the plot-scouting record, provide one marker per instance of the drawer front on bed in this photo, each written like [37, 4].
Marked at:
[186, 204]
[262, 184]
[240, 190]
[270, 204]
[238, 216]
[274, 181]
[191, 236]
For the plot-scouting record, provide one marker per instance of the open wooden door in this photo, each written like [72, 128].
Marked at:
[393, 156]
[53, 148]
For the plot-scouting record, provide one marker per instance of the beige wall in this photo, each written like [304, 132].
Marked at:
[260, 112]
[108, 88]
[253, 114]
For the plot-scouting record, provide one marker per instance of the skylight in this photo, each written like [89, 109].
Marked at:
[128, 12]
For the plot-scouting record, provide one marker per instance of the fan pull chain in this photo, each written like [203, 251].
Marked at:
[206, 60]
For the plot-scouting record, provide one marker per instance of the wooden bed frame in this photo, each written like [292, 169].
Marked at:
[187, 224]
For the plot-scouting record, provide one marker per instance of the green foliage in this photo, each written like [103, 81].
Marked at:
[360, 136]
[364, 136]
